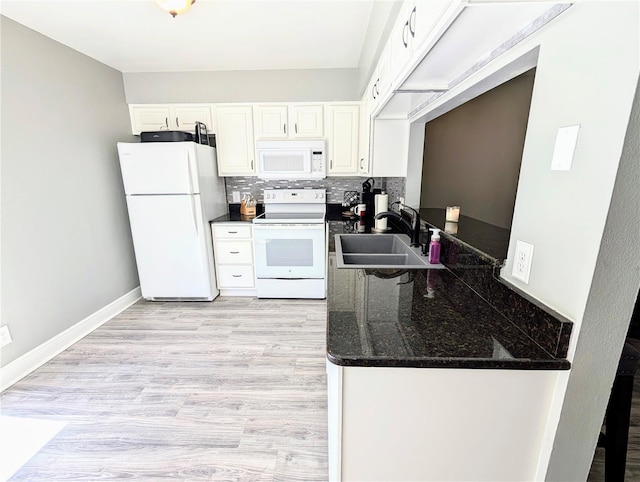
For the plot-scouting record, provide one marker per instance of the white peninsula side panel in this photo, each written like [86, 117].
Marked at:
[430, 424]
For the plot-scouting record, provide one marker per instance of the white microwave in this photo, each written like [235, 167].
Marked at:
[291, 159]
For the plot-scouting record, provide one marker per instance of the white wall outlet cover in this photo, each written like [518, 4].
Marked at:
[522, 262]
[236, 196]
[565, 147]
[5, 336]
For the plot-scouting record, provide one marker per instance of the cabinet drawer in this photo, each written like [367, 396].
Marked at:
[234, 252]
[236, 276]
[242, 230]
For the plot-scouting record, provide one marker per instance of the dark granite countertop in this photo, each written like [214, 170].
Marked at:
[234, 215]
[421, 318]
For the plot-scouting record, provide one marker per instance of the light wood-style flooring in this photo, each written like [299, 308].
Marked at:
[233, 390]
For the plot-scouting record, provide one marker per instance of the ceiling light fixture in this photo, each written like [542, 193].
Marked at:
[174, 7]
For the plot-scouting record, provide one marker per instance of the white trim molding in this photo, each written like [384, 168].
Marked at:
[30, 361]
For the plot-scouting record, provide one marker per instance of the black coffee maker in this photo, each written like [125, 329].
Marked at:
[367, 197]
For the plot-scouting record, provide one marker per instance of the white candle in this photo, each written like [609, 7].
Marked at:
[453, 213]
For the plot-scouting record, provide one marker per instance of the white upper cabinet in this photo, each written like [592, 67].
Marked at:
[145, 118]
[186, 116]
[234, 140]
[415, 22]
[342, 129]
[289, 121]
[271, 122]
[307, 120]
[380, 82]
[364, 157]
[426, 13]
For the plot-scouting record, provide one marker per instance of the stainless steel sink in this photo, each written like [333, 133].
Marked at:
[378, 251]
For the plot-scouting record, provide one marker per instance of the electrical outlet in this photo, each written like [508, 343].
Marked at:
[236, 196]
[5, 336]
[522, 262]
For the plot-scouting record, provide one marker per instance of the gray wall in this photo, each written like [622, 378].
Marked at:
[472, 154]
[320, 85]
[66, 244]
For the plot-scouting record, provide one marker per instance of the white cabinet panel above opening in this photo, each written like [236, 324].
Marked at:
[288, 121]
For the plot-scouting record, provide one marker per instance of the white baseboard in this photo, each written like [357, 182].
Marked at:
[22, 366]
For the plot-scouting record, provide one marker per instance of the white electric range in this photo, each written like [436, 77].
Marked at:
[290, 244]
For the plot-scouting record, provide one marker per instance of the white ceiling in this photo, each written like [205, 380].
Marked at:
[215, 35]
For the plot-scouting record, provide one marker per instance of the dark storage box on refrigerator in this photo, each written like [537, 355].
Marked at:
[166, 136]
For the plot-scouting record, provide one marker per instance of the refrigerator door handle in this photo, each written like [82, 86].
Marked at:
[190, 174]
[195, 214]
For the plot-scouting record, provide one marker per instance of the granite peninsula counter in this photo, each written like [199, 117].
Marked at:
[423, 318]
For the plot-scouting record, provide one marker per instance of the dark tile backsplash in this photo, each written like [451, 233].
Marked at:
[335, 186]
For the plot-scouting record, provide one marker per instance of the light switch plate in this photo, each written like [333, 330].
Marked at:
[565, 147]
[5, 336]
[522, 262]
[236, 196]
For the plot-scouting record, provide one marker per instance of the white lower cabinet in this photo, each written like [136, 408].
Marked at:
[432, 424]
[233, 253]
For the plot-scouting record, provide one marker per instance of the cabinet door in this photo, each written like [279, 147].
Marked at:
[400, 41]
[342, 134]
[185, 117]
[383, 73]
[271, 122]
[145, 119]
[306, 121]
[363, 144]
[234, 141]
[423, 18]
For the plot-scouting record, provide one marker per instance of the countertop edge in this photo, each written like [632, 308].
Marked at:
[457, 363]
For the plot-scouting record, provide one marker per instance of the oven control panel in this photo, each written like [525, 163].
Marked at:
[295, 196]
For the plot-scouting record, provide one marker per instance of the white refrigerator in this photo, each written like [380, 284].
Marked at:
[173, 191]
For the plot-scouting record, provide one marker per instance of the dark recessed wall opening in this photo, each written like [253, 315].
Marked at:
[472, 154]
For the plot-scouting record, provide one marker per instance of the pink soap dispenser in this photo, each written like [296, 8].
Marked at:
[434, 247]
